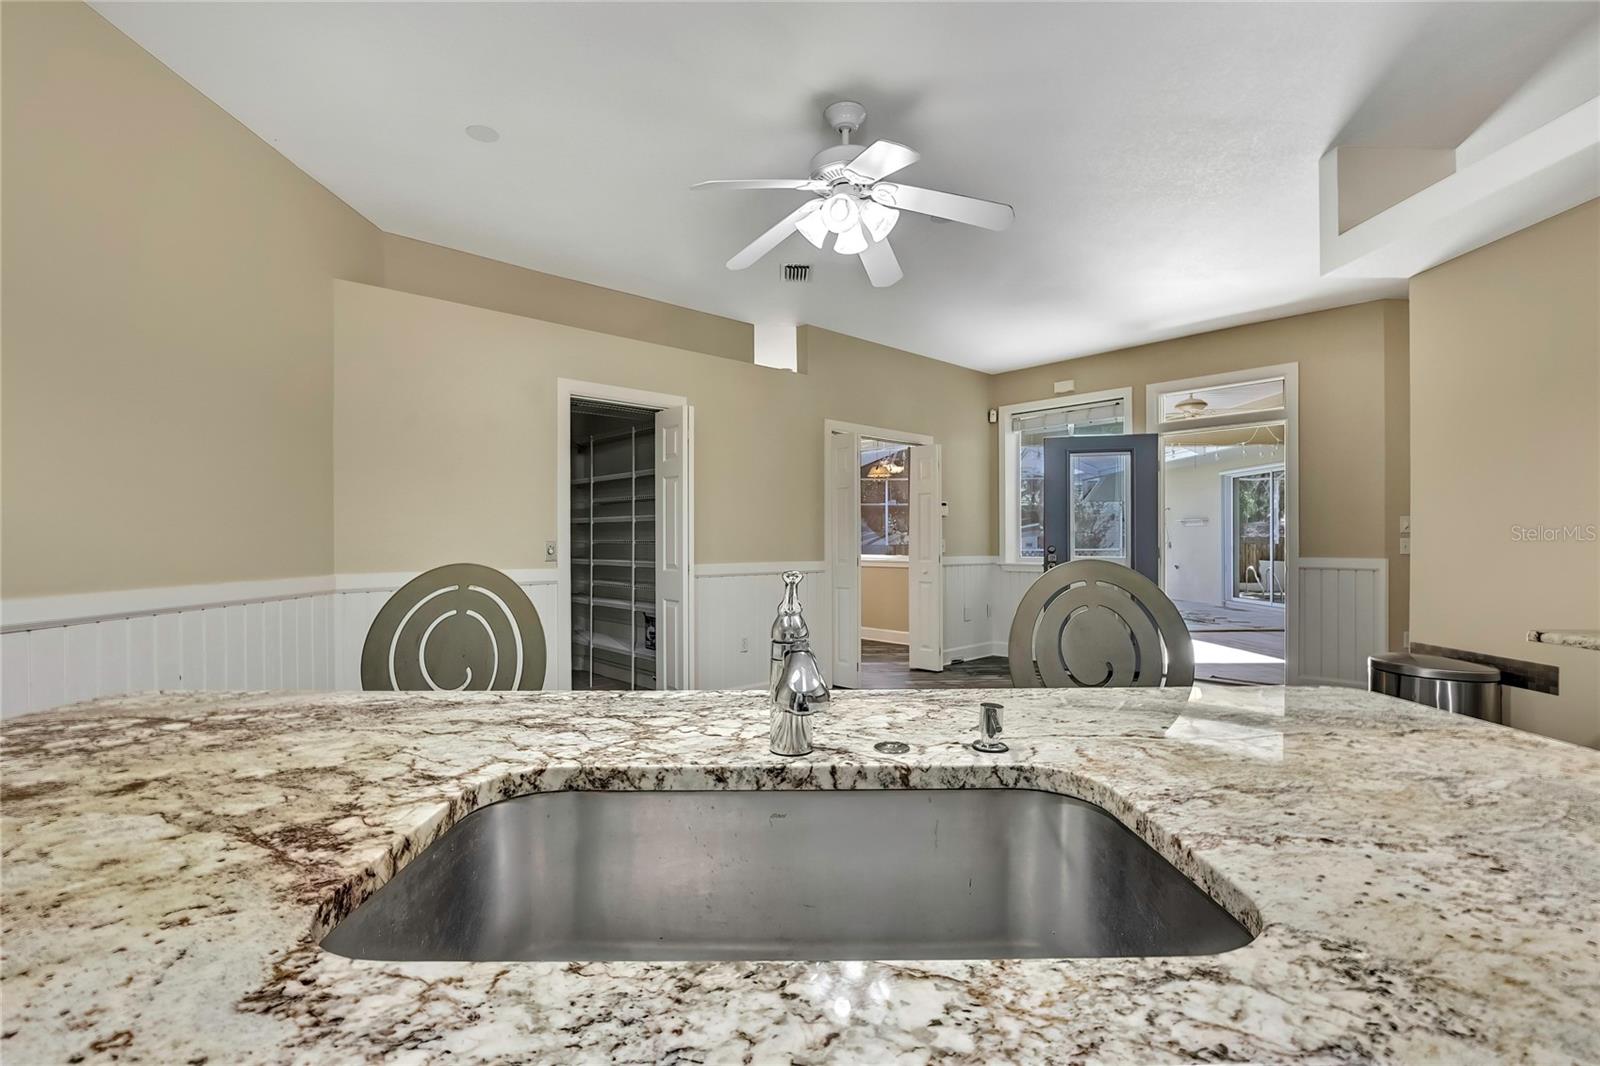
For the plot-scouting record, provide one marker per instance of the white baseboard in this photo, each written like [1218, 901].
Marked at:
[968, 652]
[887, 636]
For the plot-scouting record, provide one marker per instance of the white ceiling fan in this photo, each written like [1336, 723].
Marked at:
[855, 204]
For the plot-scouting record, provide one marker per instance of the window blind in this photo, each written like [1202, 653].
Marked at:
[1059, 420]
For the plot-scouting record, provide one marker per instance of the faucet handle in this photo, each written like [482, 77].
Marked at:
[989, 727]
[790, 624]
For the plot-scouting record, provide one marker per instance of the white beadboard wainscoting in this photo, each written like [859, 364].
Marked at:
[1343, 617]
[734, 607]
[296, 633]
[970, 608]
[1011, 583]
[241, 635]
[306, 633]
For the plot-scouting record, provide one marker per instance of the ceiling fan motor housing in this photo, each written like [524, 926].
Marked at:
[829, 164]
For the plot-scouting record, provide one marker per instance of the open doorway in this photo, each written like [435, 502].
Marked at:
[885, 479]
[884, 556]
[623, 553]
[1225, 531]
[1229, 532]
[613, 558]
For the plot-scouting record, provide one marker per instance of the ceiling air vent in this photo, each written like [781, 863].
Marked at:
[797, 272]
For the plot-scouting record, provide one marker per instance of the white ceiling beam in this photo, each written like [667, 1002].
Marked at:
[1481, 198]
[777, 345]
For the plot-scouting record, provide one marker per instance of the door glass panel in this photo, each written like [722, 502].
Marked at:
[1099, 486]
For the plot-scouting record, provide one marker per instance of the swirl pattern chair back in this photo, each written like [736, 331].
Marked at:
[455, 628]
[1094, 624]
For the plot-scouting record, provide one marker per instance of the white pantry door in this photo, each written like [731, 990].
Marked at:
[927, 557]
[844, 556]
[674, 548]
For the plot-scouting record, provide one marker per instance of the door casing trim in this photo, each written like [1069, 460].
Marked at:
[568, 389]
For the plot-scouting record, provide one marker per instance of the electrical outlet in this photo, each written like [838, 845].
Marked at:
[744, 645]
[549, 551]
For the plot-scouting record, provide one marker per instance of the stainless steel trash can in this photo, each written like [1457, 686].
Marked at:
[1453, 685]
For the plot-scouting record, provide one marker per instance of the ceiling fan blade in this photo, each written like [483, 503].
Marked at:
[968, 209]
[802, 184]
[879, 160]
[883, 269]
[773, 237]
[852, 241]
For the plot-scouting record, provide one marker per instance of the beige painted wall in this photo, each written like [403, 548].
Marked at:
[1347, 359]
[886, 597]
[444, 438]
[431, 270]
[1505, 433]
[166, 354]
[1397, 461]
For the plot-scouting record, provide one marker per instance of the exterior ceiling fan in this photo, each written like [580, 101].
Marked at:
[855, 205]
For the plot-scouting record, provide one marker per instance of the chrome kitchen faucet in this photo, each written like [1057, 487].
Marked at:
[795, 682]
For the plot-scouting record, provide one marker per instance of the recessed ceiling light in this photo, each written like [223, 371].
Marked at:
[486, 134]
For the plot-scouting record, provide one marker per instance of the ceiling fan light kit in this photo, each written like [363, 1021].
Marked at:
[855, 205]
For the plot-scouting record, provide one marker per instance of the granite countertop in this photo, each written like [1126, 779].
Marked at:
[1570, 638]
[1425, 887]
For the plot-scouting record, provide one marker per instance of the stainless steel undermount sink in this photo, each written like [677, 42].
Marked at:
[892, 874]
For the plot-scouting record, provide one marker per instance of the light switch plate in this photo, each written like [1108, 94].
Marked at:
[1405, 525]
[1405, 545]
[549, 551]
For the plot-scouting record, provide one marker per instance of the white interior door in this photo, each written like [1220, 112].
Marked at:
[927, 555]
[844, 556]
[674, 548]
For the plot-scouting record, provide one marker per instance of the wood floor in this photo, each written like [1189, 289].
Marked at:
[884, 665]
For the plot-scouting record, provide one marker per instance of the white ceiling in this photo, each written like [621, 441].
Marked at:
[1162, 159]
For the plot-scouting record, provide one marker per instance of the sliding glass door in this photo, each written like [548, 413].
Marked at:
[1258, 529]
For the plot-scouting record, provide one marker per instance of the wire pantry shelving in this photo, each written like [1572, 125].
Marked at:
[613, 559]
